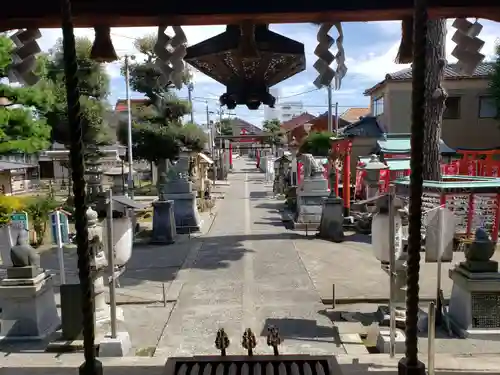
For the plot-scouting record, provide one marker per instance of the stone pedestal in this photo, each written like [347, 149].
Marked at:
[474, 309]
[187, 218]
[332, 219]
[163, 223]
[310, 197]
[29, 308]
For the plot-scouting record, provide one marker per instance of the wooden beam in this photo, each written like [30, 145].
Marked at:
[88, 13]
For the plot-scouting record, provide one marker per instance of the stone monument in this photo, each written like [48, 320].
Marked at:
[71, 293]
[29, 309]
[179, 189]
[474, 309]
[313, 190]
[332, 215]
[164, 231]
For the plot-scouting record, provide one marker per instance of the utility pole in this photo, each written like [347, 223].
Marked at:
[190, 99]
[210, 141]
[130, 181]
[330, 117]
[336, 118]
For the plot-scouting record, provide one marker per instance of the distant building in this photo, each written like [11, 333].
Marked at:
[353, 115]
[121, 109]
[469, 120]
[273, 113]
[289, 110]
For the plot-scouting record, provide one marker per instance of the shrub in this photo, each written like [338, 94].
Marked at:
[38, 209]
[317, 144]
[9, 205]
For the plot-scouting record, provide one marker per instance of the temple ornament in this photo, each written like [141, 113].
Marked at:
[248, 59]
[327, 74]
[171, 52]
[468, 45]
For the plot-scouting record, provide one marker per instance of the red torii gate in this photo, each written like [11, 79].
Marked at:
[341, 149]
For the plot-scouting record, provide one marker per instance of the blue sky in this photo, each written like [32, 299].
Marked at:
[370, 49]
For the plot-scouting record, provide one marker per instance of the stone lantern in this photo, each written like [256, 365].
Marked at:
[372, 175]
[293, 147]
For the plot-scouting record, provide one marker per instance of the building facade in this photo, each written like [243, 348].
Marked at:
[469, 120]
[289, 110]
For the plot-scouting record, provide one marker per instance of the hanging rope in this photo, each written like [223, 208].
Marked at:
[91, 365]
[416, 181]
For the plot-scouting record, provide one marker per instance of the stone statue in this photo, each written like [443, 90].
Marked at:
[98, 265]
[481, 249]
[312, 167]
[96, 240]
[22, 254]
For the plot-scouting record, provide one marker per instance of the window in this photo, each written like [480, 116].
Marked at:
[452, 110]
[487, 107]
[378, 106]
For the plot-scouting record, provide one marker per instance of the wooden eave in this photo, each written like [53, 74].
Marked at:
[88, 13]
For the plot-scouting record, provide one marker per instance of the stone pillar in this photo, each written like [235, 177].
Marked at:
[474, 309]
[29, 309]
[311, 194]
[94, 173]
[179, 190]
[28, 304]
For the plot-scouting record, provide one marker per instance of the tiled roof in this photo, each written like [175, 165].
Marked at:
[451, 71]
[6, 165]
[121, 104]
[354, 114]
[238, 123]
[401, 144]
[297, 121]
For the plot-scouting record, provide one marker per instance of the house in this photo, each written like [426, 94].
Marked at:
[297, 121]
[18, 177]
[353, 115]
[52, 163]
[469, 120]
[317, 124]
[242, 127]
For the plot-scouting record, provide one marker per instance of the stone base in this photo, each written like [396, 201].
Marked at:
[29, 309]
[471, 266]
[117, 347]
[23, 272]
[384, 341]
[164, 226]
[474, 308]
[332, 218]
[187, 218]
[310, 206]
[384, 317]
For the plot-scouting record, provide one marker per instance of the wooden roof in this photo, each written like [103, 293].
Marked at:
[88, 13]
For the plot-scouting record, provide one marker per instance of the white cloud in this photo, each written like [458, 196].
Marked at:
[123, 40]
[375, 65]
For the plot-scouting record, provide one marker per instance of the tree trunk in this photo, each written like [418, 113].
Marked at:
[435, 97]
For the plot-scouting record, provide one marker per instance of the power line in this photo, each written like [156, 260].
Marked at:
[298, 94]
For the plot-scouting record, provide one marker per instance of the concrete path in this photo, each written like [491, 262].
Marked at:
[247, 274]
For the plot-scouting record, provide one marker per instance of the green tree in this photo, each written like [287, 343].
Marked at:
[157, 131]
[225, 126]
[317, 144]
[495, 80]
[94, 90]
[273, 129]
[23, 126]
